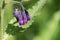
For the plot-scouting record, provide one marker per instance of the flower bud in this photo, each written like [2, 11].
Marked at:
[27, 14]
[24, 15]
[16, 12]
[21, 22]
[20, 17]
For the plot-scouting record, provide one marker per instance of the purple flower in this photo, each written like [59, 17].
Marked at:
[27, 14]
[21, 22]
[16, 12]
[18, 15]
[22, 15]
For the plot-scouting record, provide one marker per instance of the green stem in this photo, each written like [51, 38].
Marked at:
[1, 29]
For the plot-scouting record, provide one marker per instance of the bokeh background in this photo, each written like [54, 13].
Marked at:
[44, 23]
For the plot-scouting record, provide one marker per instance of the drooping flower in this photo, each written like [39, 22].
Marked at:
[27, 14]
[16, 12]
[18, 15]
[21, 15]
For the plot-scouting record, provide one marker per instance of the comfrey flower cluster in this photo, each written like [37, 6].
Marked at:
[21, 15]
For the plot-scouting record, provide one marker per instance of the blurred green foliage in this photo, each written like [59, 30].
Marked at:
[44, 23]
[0, 19]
